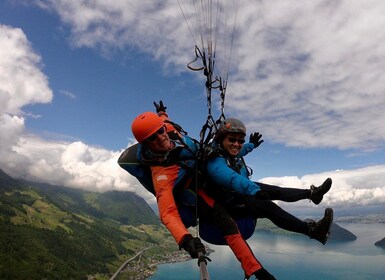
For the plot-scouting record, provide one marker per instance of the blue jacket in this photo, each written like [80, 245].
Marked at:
[231, 173]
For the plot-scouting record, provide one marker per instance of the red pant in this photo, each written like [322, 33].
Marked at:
[220, 218]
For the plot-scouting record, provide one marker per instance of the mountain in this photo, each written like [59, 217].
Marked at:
[381, 243]
[337, 233]
[54, 232]
[6, 181]
[340, 234]
[125, 207]
[374, 218]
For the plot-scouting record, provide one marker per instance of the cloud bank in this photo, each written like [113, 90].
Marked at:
[350, 188]
[73, 164]
[308, 75]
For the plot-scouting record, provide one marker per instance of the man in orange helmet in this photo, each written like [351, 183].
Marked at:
[171, 159]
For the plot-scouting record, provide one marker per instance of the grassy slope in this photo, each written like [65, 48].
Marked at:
[49, 232]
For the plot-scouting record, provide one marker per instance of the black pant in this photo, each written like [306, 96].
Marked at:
[217, 215]
[268, 209]
[265, 208]
[284, 194]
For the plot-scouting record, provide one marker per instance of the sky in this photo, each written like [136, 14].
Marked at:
[308, 76]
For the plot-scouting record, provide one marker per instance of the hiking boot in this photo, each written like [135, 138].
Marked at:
[321, 230]
[262, 274]
[317, 193]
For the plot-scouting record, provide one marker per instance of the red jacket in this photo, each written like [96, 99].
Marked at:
[164, 179]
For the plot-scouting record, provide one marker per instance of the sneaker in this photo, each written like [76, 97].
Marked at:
[317, 193]
[321, 230]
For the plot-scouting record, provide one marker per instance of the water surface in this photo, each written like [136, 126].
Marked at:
[296, 257]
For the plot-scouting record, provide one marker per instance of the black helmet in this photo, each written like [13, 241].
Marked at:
[230, 125]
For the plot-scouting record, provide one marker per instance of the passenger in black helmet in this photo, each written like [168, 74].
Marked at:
[228, 182]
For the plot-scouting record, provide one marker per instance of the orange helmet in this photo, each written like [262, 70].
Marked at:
[145, 125]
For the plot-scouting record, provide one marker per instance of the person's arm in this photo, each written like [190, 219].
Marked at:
[254, 142]
[246, 148]
[161, 111]
[221, 174]
[163, 179]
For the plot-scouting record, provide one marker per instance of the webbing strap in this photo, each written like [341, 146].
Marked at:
[210, 127]
[207, 132]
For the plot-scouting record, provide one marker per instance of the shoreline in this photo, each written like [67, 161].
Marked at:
[142, 270]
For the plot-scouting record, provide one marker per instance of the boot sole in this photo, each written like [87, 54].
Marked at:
[330, 214]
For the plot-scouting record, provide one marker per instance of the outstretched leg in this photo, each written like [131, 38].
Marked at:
[267, 209]
[315, 194]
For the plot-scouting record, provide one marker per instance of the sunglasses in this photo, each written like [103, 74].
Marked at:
[152, 137]
[233, 140]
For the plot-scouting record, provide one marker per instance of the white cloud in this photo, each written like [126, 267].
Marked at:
[350, 188]
[68, 94]
[78, 165]
[110, 26]
[21, 80]
[73, 164]
[307, 75]
[313, 75]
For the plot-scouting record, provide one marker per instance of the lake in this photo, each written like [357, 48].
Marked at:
[296, 257]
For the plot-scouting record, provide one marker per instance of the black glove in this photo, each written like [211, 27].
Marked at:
[160, 107]
[193, 245]
[255, 138]
[263, 274]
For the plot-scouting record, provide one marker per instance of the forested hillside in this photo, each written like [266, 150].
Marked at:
[51, 232]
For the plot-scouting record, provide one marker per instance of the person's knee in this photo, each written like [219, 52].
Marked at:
[223, 221]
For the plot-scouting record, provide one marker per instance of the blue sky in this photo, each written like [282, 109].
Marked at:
[308, 77]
